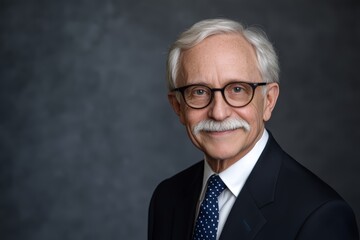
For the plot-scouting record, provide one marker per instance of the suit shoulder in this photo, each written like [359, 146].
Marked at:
[278, 171]
[181, 179]
[304, 182]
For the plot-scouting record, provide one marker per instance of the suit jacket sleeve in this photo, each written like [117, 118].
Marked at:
[173, 205]
[158, 219]
[334, 220]
[151, 218]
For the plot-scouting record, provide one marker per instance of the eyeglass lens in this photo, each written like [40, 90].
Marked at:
[236, 94]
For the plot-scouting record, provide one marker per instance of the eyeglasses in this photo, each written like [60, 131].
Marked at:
[236, 94]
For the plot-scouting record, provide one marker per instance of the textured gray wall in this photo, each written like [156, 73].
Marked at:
[86, 132]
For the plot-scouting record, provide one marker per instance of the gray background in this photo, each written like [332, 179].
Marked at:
[86, 132]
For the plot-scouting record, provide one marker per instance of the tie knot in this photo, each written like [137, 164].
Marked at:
[215, 186]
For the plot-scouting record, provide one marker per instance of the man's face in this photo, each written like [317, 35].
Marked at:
[214, 62]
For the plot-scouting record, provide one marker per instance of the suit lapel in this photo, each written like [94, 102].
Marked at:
[184, 213]
[246, 219]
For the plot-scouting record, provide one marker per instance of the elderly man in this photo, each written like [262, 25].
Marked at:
[223, 85]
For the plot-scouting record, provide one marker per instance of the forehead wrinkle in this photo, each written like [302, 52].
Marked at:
[198, 73]
[219, 59]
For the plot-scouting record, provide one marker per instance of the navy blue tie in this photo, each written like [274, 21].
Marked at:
[207, 222]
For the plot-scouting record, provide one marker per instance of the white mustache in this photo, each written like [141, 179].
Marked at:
[216, 126]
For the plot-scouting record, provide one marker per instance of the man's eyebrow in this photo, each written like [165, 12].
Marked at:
[232, 80]
[196, 82]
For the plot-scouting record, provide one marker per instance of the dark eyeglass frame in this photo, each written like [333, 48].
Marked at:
[222, 90]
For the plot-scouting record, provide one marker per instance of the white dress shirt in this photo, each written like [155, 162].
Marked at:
[234, 178]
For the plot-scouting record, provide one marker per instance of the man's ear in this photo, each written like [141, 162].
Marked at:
[175, 104]
[271, 96]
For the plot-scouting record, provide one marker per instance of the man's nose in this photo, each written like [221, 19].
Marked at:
[219, 109]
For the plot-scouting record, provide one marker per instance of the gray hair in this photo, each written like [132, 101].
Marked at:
[266, 56]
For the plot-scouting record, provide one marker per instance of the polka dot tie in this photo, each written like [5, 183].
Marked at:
[208, 219]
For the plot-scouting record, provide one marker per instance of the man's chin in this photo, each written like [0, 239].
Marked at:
[220, 162]
[222, 153]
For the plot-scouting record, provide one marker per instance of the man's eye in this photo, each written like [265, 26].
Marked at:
[199, 91]
[237, 89]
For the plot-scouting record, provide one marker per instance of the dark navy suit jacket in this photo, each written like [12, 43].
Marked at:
[280, 200]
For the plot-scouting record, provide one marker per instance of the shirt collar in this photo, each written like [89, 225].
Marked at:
[236, 175]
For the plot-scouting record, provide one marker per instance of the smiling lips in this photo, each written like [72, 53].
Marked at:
[221, 133]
